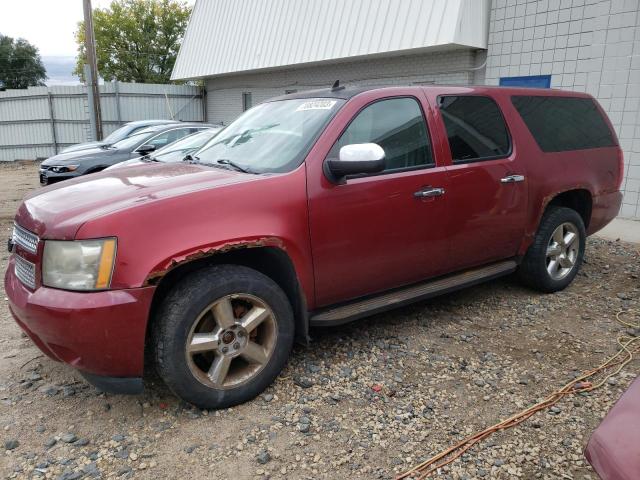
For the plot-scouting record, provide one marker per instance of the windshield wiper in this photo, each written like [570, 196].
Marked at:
[191, 159]
[231, 163]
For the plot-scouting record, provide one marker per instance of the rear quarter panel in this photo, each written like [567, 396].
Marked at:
[550, 174]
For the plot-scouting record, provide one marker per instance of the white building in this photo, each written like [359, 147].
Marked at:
[247, 51]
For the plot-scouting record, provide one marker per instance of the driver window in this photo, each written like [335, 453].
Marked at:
[398, 126]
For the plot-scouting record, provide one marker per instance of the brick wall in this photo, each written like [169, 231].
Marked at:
[224, 94]
[585, 45]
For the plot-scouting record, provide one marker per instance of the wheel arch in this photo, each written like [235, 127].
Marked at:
[579, 199]
[271, 261]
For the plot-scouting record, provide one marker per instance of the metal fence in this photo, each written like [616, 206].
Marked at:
[39, 121]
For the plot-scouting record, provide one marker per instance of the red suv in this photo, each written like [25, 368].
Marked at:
[310, 209]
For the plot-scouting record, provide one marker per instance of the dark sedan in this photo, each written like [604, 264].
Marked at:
[176, 151]
[73, 164]
[121, 133]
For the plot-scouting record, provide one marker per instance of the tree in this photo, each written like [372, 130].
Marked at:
[20, 64]
[136, 40]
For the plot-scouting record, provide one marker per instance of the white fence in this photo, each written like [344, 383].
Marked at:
[39, 121]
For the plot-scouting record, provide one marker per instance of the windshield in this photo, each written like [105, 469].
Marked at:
[271, 137]
[117, 135]
[172, 152]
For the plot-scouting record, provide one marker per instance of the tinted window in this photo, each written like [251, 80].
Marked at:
[559, 124]
[397, 125]
[475, 128]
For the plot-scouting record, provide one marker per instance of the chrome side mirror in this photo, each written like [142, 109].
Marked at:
[355, 159]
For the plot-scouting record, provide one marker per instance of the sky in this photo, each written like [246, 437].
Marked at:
[47, 24]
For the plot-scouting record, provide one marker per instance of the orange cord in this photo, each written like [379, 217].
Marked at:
[578, 385]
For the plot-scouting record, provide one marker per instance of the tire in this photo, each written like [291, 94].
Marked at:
[536, 269]
[240, 328]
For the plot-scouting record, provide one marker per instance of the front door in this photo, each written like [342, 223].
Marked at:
[376, 232]
[487, 181]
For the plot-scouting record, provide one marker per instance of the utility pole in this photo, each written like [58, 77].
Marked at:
[92, 79]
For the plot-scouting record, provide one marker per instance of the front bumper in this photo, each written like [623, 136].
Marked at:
[47, 177]
[102, 334]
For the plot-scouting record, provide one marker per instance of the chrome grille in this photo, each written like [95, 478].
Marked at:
[25, 271]
[25, 238]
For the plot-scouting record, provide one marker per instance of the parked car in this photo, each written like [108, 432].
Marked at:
[312, 209]
[612, 450]
[121, 133]
[74, 164]
[174, 152]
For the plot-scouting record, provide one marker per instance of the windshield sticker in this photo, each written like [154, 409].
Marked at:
[316, 105]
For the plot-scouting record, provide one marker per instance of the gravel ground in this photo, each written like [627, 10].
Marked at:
[364, 401]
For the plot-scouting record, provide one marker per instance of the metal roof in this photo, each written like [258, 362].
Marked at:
[230, 36]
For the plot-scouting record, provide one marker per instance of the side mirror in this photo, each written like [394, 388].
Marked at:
[354, 159]
[146, 149]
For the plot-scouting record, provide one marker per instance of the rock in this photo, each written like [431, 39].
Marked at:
[82, 442]
[50, 442]
[612, 381]
[118, 437]
[302, 382]
[304, 427]
[124, 470]
[68, 391]
[49, 390]
[40, 428]
[263, 457]
[267, 397]
[11, 444]
[69, 438]
[479, 382]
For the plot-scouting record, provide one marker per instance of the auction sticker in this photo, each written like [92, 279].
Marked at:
[316, 105]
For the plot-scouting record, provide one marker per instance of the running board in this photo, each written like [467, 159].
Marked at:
[386, 301]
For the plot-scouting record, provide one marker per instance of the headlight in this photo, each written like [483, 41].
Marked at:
[64, 168]
[78, 265]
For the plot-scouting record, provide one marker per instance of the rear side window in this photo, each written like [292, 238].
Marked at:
[559, 124]
[475, 128]
[397, 125]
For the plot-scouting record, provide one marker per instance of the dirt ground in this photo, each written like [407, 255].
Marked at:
[444, 369]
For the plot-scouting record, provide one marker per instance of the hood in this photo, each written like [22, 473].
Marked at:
[79, 155]
[128, 163]
[59, 210]
[82, 146]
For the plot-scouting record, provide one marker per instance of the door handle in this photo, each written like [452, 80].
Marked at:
[512, 179]
[429, 192]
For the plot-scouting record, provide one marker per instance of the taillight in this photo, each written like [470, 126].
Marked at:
[620, 167]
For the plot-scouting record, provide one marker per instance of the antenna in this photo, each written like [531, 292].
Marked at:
[337, 86]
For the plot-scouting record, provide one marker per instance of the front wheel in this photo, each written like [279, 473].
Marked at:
[555, 256]
[223, 335]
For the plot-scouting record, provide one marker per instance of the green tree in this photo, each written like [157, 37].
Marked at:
[136, 40]
[20, 64]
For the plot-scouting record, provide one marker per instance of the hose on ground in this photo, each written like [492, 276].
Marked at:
[586, 382]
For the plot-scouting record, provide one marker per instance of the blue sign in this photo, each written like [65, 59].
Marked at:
[533, 81]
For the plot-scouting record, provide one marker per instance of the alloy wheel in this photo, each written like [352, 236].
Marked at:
[231, 341]
[562, 250]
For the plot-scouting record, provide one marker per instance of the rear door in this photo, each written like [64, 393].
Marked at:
[487, 192]
[376, 232]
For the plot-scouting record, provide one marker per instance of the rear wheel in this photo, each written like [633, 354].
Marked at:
[223, 335]
[555, 256]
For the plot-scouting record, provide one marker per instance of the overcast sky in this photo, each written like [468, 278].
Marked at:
[48, 24]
